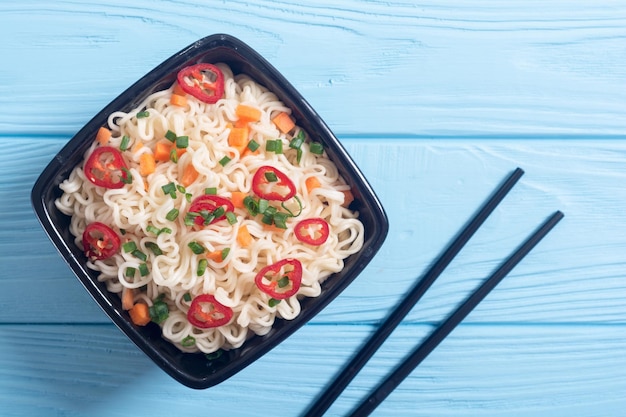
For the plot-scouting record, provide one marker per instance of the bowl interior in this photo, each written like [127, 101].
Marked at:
[200, 370]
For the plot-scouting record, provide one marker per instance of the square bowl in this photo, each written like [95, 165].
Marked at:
[197, 370]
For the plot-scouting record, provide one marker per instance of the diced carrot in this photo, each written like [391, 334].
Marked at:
[312, 183]
[162, 151]
[178, 90]
[241, 123]
[284, 122]
[103, 136]
[147, 164]
[237, 198]
[138, 145]
[348, 198]
[180, 101]
[238, 138]
[128, 300]
[215, 255]
[248, 113]
[140, 314]
[189, 175]
[244, 238]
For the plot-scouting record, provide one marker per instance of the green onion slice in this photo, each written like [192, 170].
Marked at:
[196, 248]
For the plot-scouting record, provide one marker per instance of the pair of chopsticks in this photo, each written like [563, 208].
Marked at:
[332, 392]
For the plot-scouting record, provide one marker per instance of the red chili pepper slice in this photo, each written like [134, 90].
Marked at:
[206, 312]
[203, 81]
[100, 241]
[208, 209]
[312, 231]
[280, 280]
[105, 167]
[272, 184]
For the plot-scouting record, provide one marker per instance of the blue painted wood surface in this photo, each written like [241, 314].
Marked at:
[437, 103]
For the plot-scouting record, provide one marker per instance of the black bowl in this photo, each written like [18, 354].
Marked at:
[197, 370]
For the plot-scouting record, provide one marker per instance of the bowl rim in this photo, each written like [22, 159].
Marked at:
[53, 174]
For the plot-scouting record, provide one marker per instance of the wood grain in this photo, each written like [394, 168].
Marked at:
[476, 371]
[437, 102]
[455, 68]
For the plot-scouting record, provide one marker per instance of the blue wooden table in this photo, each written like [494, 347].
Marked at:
[437, 103]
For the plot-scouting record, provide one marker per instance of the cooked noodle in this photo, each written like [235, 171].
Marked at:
[142, 204]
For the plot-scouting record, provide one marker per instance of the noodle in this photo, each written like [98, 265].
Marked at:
[138, 208]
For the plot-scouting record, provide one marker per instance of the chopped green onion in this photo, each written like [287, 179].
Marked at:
[182, 141]
[171, 136]
[124, 143]
[130, 272]
[218, 212]
[210, 191]
[196, 248]
[283, 282]
[270, 211]
[225, 253]
[253, 145]
[298, 155]
[181, 188]
[291, 212]
[263, 205]
[208, 218]
[270, 145]
[202, 264]
[251, 205]
[152, 229]
[143, 114]
[271, 176]
[268, 219]
[154, 248]
[280, 220]
[174, 155]
[143, 270]
[128, 178]
[215, 355]
[231, 217]
[316, 148]
[279, 147]
[188, 197]
[297, 141]
[187, 297]
[129, 246]
[139, 255]
[169, 189]
[165, 230]
[188, 341]
[190, 218]
[159, 311]
[273, 302]
[224, 161]
[172, 214]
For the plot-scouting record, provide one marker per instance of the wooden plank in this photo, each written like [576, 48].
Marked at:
[479, 370]
[496, 68]
[430, 188]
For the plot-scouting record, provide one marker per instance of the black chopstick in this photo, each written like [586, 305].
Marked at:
[347, 374]
[424, 349]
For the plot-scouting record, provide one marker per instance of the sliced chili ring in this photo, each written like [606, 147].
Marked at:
[203, 81]
[105, 167]
[206, 312]
[280, 280]
[208, 209]
[100, 241]
[313, 231]
[272, 184]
